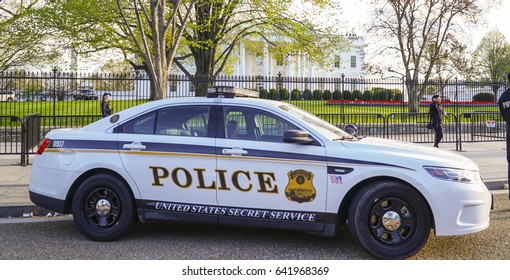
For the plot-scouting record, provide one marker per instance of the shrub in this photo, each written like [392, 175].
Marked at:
[284, 94]
[295, 94]
[273, 94]
[317, 94]
[348, 95]
[327, 95]
[484, 96]
[263, 93]
[307, 94]
[357, 95]
[337, 95]
[398, 97]
[367, 95]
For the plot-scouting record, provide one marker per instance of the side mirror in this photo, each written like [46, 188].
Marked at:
[351, 129]
[297, 136]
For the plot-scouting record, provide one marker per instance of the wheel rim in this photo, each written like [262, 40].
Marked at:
[102, 208]
[391, 221]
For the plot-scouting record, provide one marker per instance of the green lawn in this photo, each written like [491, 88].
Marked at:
[77, 109]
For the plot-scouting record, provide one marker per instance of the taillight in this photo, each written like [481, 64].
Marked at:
[44, 143]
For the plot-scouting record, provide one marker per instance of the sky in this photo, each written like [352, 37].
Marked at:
[357, 12]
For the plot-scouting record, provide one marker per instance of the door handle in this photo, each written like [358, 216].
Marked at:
[236, 151]
[135, 146]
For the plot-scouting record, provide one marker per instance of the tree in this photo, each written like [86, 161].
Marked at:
[218, 27]
[21, 39]
[147, 32]
[420, 31]
[491, 60]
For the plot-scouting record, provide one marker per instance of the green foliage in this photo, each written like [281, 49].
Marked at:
[348, 95]
[263, 93]
[382, 94]
[317, 94]
[295, 94]
[367, 95]
[327, 95]
[284, 94]
[337, 95]
[484, 96]
[307, 94]
[491, 59]
[357, 95]
[273, 94]
[398, 96]
[23, 37]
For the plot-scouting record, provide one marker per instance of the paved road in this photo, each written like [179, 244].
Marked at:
[60, 240]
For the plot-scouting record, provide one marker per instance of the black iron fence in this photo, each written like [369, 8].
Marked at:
[378, 107]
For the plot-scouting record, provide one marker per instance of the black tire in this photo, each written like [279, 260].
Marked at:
[389, 219]
[103, 208]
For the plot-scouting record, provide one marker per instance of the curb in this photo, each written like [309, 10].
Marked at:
[25, 211]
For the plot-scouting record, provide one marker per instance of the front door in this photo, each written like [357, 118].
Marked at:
[265, 180]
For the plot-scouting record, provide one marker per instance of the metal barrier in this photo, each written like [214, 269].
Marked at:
[20, 137]
[11, 135]
[367, 124]
[481, 127]
[412, 127]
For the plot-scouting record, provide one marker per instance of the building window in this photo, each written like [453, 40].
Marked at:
[337, 61]
[353, 61]
[259, 59]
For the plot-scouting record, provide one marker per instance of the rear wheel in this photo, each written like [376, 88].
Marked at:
[103, 209]
[389, 219]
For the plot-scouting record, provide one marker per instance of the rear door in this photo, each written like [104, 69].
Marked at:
[170, 154]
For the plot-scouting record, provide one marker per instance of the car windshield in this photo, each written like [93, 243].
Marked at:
[325, 128]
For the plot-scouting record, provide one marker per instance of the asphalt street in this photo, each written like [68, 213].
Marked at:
[58, 239]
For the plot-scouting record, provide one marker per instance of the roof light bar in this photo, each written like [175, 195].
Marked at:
[231, 92]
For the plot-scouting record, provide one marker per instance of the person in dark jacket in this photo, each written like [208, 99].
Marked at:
[436, 116]
[106, 108]
[504, 109]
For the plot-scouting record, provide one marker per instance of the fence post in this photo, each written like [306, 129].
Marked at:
[458, 128]
[54, 94]
[342, 111]
[403, 94]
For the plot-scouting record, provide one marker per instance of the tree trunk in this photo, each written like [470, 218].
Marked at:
[203, 76]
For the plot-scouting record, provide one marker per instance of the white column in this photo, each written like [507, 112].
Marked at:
[242, 60]
[266, 63]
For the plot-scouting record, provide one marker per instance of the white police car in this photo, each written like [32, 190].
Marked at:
[246, 161]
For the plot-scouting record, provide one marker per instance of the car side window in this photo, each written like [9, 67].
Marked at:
[183, 121]
[254, 124]
[141, 125]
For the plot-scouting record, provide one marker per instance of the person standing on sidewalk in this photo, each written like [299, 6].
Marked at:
[436, 116]
[504, 109]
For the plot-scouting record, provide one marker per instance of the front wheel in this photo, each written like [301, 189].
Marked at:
[103, 209]
[389, 219]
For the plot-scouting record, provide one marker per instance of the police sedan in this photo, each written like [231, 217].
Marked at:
[235, 160]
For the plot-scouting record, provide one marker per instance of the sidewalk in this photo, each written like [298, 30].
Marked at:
[14, 178]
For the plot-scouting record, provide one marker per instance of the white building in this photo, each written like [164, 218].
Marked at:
[263, 63]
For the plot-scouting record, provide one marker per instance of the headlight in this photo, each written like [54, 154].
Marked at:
[452, 174]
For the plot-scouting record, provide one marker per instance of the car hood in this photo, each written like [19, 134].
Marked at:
[406, 154]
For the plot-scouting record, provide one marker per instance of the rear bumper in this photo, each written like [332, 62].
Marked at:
[49, 203]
